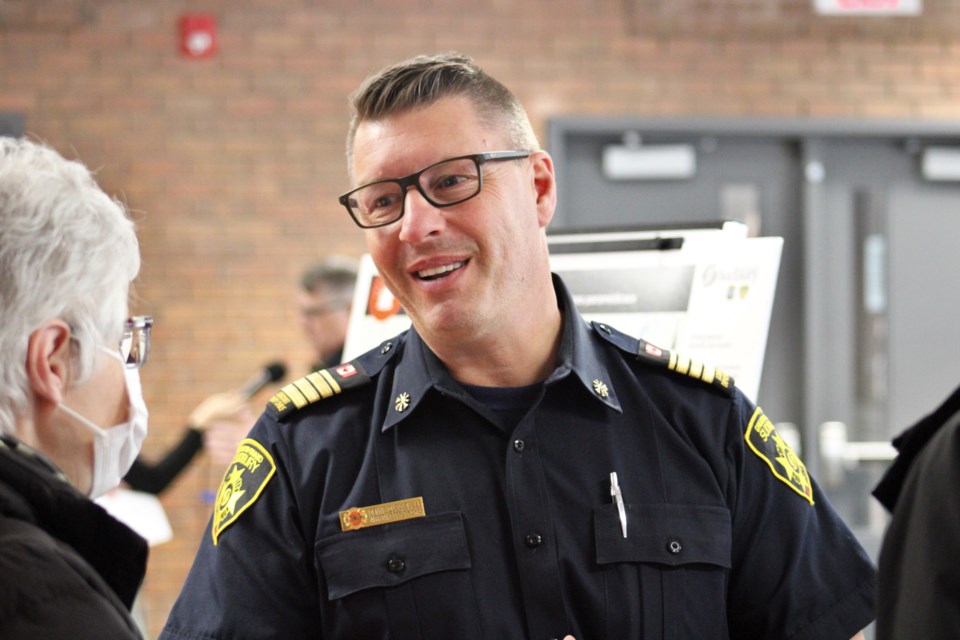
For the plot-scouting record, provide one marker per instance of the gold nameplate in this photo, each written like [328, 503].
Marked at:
[360, 517]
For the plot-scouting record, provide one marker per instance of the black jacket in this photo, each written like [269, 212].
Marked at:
[919, 570]
[68, 569]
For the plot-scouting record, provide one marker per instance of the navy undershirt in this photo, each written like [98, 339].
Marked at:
[510, 404]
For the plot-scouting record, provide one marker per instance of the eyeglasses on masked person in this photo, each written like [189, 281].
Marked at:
[135, 341]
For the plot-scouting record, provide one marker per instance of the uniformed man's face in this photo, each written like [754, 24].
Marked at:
[463, 270]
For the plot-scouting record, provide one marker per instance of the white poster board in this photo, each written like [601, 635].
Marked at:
[710, 300]
[140, 511]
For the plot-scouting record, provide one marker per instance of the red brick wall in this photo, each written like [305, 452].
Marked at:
[233, 165]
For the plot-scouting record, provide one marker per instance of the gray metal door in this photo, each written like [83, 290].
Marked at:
[883, 344]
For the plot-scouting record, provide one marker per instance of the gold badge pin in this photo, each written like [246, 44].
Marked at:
[600, 389]
[360, 517]
[402, 401]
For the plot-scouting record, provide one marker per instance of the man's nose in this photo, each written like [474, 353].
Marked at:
[420, 218]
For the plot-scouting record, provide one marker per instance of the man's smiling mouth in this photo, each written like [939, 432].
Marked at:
[439, 272]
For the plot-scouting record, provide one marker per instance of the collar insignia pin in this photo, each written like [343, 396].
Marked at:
[600, 389]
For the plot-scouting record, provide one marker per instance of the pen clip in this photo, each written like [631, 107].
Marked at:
[618, 499]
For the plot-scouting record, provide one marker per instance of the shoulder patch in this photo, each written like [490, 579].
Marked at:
[316, 386]
[242, 484]
[763, 440]
[653, 355]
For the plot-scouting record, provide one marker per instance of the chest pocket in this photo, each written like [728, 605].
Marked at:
[381, 576]
[667, 578]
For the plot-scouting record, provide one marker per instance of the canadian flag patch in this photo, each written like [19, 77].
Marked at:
[346, 370]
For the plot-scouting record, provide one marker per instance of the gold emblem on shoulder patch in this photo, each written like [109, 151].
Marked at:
[763, 439]
[242, 484]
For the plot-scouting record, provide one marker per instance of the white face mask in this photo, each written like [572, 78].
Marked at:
[115, 449]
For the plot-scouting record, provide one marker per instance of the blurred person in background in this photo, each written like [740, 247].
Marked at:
[326, 292]
[72, 416]
[324, 298]
[217, 419]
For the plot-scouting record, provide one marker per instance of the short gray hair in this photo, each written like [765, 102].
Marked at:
[67, 251]
[422, 80]
[335, 277]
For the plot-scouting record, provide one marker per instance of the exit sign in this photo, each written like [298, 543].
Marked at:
[869, 7]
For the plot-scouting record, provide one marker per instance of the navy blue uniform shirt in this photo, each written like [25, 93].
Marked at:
[727, 536]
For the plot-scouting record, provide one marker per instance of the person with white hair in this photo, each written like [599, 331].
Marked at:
[72, 416]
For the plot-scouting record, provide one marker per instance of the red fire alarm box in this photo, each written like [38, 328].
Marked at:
[198, 35]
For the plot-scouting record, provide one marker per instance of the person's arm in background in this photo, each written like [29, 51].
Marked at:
[216, 409]
[221, 437]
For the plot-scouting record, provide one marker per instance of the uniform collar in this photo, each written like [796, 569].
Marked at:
[420, 369]
[580, 353]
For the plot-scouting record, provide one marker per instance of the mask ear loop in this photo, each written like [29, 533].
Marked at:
[82, 420]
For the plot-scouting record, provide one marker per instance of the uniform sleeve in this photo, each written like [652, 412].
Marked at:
[920, 557]
[798, 571]
[253, 574]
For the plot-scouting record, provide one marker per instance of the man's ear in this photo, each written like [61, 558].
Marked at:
[49, 354]
[545, 184]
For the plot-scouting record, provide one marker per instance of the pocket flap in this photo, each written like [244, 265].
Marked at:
[392, 554]
[664, 534]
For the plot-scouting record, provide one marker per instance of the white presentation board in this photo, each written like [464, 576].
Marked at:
[709, 300]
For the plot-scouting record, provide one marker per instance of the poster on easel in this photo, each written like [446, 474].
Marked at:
[708, 296]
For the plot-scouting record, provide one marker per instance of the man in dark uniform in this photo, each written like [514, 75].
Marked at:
[503, 469]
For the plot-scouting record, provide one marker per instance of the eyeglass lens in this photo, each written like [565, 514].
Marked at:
[135, 343]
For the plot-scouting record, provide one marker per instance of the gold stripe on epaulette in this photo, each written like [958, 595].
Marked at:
[320, 384]
[698, 370]
[680, 365]
[709, 373]
[330, 380]
[308, 390]
[299, 401]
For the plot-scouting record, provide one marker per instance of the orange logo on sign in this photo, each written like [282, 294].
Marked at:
[381, 303]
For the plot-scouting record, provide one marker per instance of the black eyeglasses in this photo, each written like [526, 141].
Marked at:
[442, 184]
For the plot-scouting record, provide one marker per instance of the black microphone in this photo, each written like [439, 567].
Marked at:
[272, 372]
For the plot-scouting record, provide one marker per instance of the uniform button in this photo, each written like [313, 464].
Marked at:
[605, 329]
[533, 540]
[518, 445]
[386, 347]
[674, 546]
[396, 565]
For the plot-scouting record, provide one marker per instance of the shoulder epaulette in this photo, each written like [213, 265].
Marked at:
[327, 383]
[653, 355]
[316, 386]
